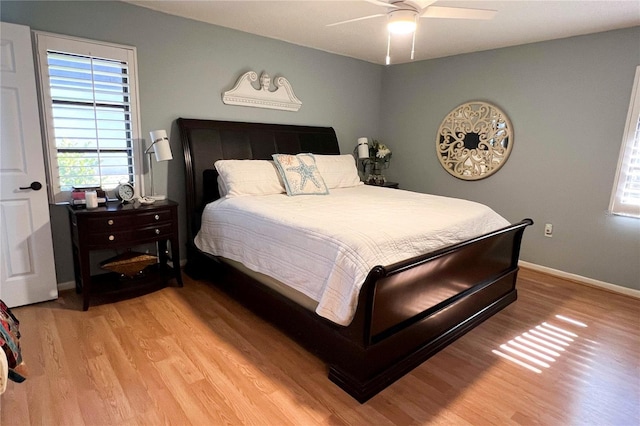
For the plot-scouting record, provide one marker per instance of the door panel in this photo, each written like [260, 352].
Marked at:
[27, 268]
[17, 230]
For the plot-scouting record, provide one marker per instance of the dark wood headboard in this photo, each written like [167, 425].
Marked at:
[205, 141]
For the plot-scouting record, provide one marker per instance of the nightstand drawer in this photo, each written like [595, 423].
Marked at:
[128, 236]
[151, 218]
[106, 239]
[107, 224]
[152, 232]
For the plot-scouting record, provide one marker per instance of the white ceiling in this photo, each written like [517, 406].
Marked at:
[304, 22]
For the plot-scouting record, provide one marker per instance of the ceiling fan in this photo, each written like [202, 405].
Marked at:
[402, 17]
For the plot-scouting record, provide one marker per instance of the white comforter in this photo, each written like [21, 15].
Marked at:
[324, 246]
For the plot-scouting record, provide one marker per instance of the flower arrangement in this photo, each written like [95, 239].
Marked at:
[380, 153]
[379, 157]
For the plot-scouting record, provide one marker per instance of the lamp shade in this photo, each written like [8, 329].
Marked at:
[363, 148]
[160, 144]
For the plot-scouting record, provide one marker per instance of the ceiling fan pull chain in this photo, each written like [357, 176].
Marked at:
[413, 42]
[388, 61]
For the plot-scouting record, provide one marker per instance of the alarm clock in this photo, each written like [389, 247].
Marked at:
[124, 192]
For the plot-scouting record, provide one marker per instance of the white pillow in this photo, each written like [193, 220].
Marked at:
[249, 177]
[338, 171]
[222, 189]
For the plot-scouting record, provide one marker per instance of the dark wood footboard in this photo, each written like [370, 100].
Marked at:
[410, 310]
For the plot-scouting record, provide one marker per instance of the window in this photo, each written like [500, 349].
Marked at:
[89, 102]
[625, 199]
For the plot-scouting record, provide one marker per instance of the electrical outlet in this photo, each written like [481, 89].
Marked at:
[548, 230]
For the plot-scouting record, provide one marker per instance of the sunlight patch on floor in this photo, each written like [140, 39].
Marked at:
[539, 347]
[570, 320]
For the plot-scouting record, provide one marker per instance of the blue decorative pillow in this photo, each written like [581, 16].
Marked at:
[300, 174]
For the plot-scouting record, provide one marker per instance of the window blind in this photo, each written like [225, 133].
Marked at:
[630, 188]
[92, 121]
[625, 198]
[90, 111]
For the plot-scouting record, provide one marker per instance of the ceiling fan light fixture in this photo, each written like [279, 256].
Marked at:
[402, 21]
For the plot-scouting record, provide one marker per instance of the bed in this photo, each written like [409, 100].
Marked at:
[396, 323]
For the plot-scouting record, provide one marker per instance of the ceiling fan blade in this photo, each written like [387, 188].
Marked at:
[356, 19]
[457, 13]
[420, 4]
[381, 3]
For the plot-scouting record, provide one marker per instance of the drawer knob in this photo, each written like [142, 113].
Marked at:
[111, 238]
[157, 231]
[157, 217]
[110, 222]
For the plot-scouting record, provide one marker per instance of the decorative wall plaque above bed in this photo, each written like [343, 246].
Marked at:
[245, 94]
[474, 140]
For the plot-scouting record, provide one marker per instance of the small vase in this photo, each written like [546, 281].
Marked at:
[376, 177]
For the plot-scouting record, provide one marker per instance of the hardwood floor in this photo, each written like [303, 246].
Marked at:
[193, 356]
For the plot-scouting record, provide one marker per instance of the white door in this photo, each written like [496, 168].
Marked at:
[27, 269]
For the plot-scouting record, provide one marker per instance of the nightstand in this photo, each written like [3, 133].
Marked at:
[122, 227]
[394, 185]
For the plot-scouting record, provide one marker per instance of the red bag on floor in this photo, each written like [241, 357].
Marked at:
[10, 342]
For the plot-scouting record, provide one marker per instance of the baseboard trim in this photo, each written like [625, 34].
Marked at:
[581, 280]
[67, 285]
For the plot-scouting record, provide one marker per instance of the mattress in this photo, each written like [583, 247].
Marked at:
[324, 246]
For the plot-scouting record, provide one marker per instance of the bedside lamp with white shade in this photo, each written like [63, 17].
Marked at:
[363, 148]
[162, 151]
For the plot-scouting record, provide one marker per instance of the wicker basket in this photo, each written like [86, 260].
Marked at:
[130, 264]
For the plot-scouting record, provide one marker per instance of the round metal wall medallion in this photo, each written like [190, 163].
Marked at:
[474, 140]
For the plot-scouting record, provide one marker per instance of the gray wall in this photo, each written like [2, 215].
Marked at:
[567, 100]
[185, 65]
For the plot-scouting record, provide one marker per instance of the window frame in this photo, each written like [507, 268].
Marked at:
[631, 136]
[44, 42]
